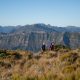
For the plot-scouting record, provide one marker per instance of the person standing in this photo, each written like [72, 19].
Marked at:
[43, 47]
[52, 46]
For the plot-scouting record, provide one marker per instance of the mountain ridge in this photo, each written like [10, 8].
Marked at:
[31, 37]
[41, 25]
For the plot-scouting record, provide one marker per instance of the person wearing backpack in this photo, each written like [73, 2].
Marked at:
[52, 46]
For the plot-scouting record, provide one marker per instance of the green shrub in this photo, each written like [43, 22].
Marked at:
[58, 47]
[3, 55]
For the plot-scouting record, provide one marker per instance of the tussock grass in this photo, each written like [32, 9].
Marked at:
[60, 64]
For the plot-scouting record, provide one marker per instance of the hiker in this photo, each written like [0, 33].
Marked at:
[52, 46]
[43, 47]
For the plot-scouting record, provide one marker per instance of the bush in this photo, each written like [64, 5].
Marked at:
[58, 47]
[69, 57]
[3, 55]
[30, 56]
[17, 56]
[6, 65]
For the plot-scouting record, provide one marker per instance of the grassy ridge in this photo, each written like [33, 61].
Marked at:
[61, 64]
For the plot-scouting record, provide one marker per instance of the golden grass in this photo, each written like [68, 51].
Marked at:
[49, 65]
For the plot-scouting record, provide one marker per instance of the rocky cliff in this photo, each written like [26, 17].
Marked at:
[31, 37]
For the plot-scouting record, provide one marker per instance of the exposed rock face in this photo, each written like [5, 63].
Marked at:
[33, 41]
[31, 38]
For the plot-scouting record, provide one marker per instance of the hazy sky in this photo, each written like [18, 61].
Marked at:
[54, 12]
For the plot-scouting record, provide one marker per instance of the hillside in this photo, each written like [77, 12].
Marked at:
[60, 64]
[31, 37]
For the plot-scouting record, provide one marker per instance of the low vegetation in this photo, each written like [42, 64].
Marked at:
[60, 64]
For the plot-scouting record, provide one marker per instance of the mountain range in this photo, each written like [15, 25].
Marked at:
[31, 37]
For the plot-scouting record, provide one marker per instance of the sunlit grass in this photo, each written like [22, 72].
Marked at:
[51, 65]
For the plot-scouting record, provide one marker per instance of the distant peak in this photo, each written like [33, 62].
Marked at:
[41, 24]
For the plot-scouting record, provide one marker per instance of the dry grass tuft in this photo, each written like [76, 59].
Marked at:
[60, 64]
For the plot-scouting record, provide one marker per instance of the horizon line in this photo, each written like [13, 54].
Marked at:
[38, 23]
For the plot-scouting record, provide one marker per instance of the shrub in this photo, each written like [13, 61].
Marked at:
[17, 56]
[6, 65]
[70, 57]
[30, 56]
[3, 55]
[58, 47]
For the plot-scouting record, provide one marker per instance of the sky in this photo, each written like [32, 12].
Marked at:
[54, 12]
